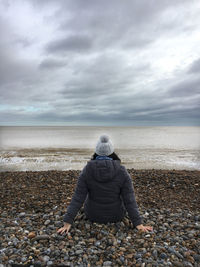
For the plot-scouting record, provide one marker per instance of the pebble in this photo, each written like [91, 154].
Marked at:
[79, 251]
[187, 264]
[196, 257]
[107, 263]
[178, 254]
[177, 263]
[22, 214]
[46, 258]
[155, 253]
[23, 259]
[41, 237]
[163, 255]
[47, 222]
[31, 235]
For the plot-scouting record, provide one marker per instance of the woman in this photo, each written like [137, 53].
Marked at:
[105, 187]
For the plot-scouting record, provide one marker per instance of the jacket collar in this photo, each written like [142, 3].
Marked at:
[103, 157]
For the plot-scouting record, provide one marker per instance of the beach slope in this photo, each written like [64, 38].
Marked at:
[33, 204]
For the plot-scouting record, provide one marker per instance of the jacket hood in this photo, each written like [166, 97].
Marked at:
[104, 170]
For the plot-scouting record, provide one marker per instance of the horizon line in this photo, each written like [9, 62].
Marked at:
[110, 126]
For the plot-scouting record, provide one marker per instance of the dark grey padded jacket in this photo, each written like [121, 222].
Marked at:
[106, 189]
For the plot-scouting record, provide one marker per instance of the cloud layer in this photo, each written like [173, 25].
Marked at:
[99, 62]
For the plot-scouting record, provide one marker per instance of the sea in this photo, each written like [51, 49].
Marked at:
[42, 148]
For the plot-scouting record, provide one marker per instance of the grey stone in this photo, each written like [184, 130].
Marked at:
[67, 263]
[46, 258]
[187, 264]
[23, 259]
[97, 243]
[79, 251]
[163, 255]
[155, 253]
[121, 258]
[196, 257]
[45, 216]
[138, 255]
[47, 222]
[178, 254]
[48, 251]
[87, 226]
[107, 263]
[177, 263]
[22, 214]
[41, 237]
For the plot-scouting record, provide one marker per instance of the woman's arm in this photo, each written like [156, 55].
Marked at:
[78, 198]
[128, 197]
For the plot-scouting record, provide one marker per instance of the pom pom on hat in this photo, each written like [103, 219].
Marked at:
[104, 146]
[104, 138]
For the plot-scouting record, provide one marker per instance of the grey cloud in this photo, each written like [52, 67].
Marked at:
[73, 43]
[99, 26]
[18, 79]
[195, 67]
[122, 118]
[115, 65]
[104, 75]
[118, 24]
[95, 25]
[130, 105]
[23, 42]
[139, 42]
[186, 88]
[14, 70]
[51, 63]
[108, 49]
[143, 109]
[19, 76]
[153, 106]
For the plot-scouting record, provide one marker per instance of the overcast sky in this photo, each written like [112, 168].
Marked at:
[99, 62]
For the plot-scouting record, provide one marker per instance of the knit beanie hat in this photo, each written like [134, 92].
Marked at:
[104, 146]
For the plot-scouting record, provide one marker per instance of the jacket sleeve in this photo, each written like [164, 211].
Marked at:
[78, 198]
[128, 197]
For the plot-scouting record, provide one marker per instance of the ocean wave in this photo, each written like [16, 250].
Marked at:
[66, 159]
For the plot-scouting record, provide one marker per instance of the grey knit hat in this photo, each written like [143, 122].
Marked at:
[104, 146]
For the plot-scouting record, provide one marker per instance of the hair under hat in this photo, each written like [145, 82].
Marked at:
[104, 146]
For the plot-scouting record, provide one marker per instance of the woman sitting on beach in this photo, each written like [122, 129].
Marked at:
[107, 190]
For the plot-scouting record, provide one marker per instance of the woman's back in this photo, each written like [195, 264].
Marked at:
[105, 187]
[104, 179]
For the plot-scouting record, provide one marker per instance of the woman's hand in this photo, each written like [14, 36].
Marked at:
[66, 228]
[144, 228]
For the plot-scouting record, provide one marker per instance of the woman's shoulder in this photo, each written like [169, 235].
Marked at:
[124, 171]
[92, 163]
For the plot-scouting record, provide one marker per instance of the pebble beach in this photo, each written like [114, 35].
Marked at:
[33, 204]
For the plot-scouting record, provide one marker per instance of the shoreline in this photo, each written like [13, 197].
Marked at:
[64, 159]
[33, 204]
